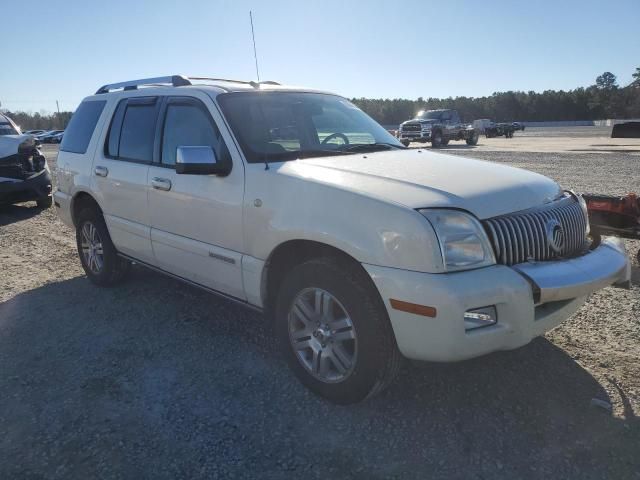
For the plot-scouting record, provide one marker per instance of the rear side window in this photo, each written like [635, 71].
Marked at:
[132, 131]
[80, 129]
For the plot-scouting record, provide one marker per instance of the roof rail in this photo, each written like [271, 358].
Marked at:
[176, 81]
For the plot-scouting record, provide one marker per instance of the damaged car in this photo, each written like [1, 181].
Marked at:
[24, 174]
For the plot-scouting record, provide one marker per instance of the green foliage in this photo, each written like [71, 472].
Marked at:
[607, 81]
[602, 100]
[37, 121]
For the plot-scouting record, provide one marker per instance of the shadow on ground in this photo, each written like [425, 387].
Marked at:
[155, 379]
[17, 213]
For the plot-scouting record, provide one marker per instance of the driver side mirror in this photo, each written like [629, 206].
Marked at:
[199, 160]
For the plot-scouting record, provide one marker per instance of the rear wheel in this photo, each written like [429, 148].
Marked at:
[334, 331]
[98, 255]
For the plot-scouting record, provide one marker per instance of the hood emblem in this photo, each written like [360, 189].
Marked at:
[555, 235]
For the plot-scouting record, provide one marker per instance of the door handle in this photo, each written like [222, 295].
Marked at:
[161, 183]
[101, 171]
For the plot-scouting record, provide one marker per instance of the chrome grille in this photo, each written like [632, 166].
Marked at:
[555, 230]
[411, 127]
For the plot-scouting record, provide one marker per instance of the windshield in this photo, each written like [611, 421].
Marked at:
[280, 126]
[430, 115]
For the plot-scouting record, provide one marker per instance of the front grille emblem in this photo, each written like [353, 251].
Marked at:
[555, 235]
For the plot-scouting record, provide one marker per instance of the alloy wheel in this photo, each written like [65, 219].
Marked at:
[92, 250]
[322, 335]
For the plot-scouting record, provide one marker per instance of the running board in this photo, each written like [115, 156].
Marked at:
[226, 296]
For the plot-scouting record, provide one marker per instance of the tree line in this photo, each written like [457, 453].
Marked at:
[40, 121]
[604, 99]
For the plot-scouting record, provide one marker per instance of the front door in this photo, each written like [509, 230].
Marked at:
[196, 220]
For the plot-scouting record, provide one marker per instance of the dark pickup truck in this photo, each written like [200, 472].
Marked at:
[438, 127]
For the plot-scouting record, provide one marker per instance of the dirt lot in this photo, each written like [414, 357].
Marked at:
[155, 379]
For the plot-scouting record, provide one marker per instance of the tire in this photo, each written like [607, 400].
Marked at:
[473, 139]
[367, 359]
[405, 142]
[436, 139]
[44, 202]
[108, 268]
[445, 143]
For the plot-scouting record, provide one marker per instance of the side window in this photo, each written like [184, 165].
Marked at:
[187, 123]
[455, 118]
[80, 129]
[132, 130]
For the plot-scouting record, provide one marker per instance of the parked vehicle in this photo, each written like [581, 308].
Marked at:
[34, 132]
[481, 124]
[499, 130]
[52, 136]
[296, 203]
[56, 138]
[438, 127]
[24, 174]
[518, 126]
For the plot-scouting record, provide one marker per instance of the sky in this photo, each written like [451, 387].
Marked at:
[65, 50]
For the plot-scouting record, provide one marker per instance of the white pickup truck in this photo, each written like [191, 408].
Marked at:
[296, 203]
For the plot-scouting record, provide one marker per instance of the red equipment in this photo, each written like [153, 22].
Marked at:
[609, 215]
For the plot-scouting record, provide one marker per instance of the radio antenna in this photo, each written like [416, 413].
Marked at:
[255, 54]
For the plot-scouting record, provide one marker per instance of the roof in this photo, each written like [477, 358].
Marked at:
[219, 85]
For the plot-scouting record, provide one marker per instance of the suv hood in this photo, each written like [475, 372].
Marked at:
[421, 179]
[428, 121]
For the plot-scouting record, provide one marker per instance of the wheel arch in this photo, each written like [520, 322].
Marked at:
[291, 253]
[80, 200]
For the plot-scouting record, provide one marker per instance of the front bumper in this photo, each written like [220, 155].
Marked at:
[33, 188]
[424, 136]
[530, 299]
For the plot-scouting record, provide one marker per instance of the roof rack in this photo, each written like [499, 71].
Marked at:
[174, 80]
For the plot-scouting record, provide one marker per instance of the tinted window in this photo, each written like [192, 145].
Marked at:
[138, 131]
[80, 129]
[190, 125]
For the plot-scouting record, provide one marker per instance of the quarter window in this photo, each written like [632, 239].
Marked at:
[189, 124]
[80, 129]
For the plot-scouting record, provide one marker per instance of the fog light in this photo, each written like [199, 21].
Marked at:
[480, 317]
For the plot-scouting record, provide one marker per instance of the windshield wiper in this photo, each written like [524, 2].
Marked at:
[321, 153]
[370, 147]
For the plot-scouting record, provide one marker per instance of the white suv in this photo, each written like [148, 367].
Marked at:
[296, 203]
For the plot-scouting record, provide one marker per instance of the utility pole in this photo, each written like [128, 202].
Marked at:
[58, 107]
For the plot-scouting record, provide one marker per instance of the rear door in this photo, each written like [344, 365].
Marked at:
[196, 220]
[120, 175]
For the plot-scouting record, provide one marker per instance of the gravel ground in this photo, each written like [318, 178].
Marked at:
[155, 379]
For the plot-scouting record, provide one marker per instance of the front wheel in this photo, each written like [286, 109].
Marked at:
[473, 139]
[98, 255]
[436, 139]
[405, 142]
[334, 331]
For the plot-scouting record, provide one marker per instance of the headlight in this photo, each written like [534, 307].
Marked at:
[463, 241]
